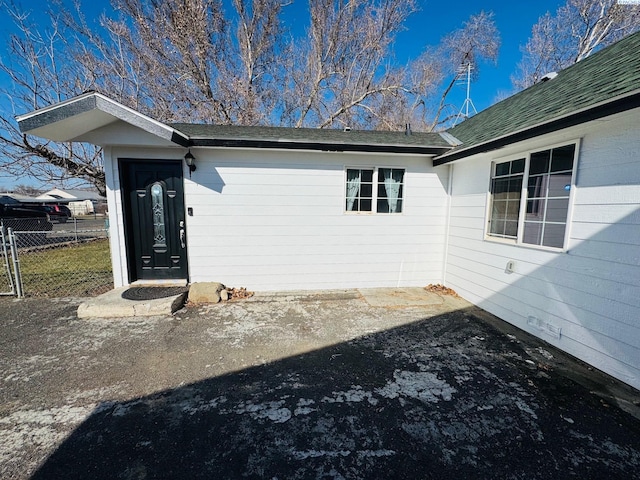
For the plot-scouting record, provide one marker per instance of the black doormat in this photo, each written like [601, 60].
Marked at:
[152, 293]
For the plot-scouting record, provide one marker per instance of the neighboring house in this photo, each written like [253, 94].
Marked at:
[530, 209]
[16, 198]
[80, 202]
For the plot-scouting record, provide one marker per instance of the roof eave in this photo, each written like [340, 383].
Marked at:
[319, 146]
[70, 119]
[594, 112]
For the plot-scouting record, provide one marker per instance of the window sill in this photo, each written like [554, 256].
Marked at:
[367, 214]
[528, 246]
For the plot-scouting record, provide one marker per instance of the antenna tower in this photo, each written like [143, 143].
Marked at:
[464, 110]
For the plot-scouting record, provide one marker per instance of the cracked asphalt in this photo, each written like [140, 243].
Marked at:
[324, 385]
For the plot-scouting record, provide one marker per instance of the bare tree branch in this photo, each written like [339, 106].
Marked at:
[578, 28]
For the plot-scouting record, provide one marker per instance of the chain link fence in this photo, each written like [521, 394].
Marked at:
[7, 284]
[59, 260]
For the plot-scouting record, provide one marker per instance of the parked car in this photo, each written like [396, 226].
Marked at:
[60, 213]
[22, 218]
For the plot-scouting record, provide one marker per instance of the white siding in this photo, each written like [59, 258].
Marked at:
[270, 220]
[590, 291]
[275, 220]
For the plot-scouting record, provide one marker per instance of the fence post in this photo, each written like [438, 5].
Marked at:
[16, 262]
[7, 265]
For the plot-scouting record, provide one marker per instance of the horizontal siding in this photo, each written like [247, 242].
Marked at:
[619, 233]
[277, 221]
[590, 291]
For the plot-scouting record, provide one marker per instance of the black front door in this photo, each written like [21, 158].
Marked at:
[154, 219]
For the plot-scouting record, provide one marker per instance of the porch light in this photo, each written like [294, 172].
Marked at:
[189, 159]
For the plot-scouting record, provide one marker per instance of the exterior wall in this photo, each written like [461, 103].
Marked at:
[274, 220]
[270, 220]
[589, 291]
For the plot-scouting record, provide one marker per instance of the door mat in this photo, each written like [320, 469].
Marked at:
[152, 293]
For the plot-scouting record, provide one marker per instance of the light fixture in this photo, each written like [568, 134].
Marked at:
[189, 159]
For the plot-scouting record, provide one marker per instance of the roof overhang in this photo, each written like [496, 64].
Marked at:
[285, 144]
[72, 119]
[594, 112]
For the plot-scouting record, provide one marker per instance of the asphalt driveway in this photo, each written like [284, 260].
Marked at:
[335, 385]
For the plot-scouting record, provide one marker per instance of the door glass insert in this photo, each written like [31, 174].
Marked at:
[157, 209]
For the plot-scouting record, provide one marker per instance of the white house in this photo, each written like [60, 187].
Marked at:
[530, 209]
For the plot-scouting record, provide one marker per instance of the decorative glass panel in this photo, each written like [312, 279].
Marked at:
[157, 209]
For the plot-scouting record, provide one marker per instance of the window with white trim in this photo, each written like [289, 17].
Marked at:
[530, 197]
[379, 188]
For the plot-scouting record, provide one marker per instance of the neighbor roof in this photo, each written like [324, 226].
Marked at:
[313, 138]
[607, 82]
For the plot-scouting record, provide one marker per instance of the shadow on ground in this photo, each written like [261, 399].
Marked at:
[447, 397]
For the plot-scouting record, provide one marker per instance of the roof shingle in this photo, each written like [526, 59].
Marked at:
[611, 73]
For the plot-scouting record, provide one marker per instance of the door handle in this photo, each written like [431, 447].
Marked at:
[182, 244]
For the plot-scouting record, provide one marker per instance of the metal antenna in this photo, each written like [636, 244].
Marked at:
[464, 110]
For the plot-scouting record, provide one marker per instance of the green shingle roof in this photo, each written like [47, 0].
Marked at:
[611, 74]
[325, 139]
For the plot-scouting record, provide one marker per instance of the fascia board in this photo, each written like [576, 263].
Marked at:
[72, 118]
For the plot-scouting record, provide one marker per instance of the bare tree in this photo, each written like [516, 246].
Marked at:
[344, 62]
[36, 75]
[192, 61]
[577, 29]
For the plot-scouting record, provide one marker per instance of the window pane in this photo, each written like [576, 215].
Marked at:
[537, 186]
[389, 189]
[559, 184]
[513, 210]
[539, 162]
[366, 190]
[554, 235]
[365, 205]
[515, 187]
[367, 176]
[517, 166]
[506, 192]
[532, 233]
[499, 208]
[562, 158]
[557, 210]
[502, 169]
[496, 226]
[501, 188]
[535, 210]
[511, 228]
[383, 205]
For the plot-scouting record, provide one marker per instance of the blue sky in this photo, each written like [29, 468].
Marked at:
[435, 19]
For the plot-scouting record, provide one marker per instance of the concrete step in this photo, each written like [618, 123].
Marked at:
[112, 305]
